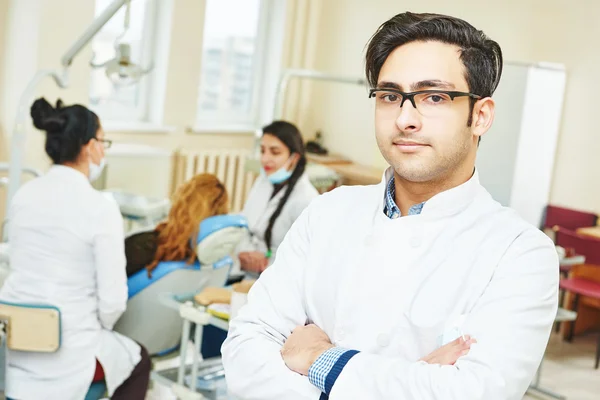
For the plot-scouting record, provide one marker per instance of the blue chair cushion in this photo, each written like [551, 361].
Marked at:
[96, 391]
[140, 280]
[212, 224]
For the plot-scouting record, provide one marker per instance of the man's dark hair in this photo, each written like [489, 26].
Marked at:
[481, 56]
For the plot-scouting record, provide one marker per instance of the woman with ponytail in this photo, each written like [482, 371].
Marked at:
[278, 197]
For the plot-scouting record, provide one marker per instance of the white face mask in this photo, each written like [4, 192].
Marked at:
[96, 170]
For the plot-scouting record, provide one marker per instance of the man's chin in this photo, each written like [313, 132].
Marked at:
[416, 173]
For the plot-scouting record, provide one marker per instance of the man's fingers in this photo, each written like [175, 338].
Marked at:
[459, 341]
[463, 341]
[449, 353]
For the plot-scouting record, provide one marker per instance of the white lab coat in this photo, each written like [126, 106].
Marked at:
[260, 206]
[66, 250]
[396, 290]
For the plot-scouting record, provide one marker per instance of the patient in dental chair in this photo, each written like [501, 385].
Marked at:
[201, 197]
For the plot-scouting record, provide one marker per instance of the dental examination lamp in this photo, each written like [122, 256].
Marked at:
[282, 85]
[120, 70]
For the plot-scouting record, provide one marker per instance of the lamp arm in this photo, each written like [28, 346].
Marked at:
[288, 74]
[17, 141]
[102, 65]
[91, 31]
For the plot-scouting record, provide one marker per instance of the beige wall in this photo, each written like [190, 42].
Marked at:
[530, 31]
[4, 6]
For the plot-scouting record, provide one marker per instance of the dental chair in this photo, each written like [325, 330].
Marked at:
[150, 318]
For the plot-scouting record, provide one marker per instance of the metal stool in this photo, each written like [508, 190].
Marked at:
[562, 315]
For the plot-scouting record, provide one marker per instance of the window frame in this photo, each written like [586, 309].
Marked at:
[265, 75]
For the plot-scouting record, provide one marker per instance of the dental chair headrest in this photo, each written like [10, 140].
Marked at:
[218, 237]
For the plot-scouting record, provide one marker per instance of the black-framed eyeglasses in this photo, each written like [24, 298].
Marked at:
[428, 102]
[106, 143]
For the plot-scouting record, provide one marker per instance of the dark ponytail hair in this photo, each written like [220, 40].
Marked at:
[292, 139]
[68, 129]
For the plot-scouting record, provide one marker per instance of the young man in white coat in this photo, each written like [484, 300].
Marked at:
[421, 287]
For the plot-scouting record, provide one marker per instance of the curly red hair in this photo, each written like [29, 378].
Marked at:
[201, 197]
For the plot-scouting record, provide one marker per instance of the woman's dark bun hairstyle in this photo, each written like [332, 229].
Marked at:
[67, 129]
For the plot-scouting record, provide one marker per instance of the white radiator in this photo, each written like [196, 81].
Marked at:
[229, 165]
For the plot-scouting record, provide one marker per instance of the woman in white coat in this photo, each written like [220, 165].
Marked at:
[278, 196]
[66, 250]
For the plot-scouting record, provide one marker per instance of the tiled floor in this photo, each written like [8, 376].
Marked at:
[569, 369]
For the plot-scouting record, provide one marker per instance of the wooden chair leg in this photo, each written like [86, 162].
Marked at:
[572, 327]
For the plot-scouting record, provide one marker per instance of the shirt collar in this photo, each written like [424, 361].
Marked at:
[444, 203]
[391, 209]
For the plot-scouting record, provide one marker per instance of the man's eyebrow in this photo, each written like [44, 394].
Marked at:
[421, 85]
[432, 83]
[389, 85]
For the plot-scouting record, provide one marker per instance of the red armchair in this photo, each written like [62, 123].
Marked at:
[583, 285]
[568, 218]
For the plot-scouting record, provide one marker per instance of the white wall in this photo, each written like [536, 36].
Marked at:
[558, 31]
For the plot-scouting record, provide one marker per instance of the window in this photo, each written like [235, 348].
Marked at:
[235, 51]
[130, 103]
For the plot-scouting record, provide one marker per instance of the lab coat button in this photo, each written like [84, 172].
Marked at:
[383, 340]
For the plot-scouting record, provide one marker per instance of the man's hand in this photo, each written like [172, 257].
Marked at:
[449, 353]
[253, 261]
[303, 347]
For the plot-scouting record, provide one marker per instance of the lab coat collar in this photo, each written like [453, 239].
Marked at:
[69, 173]
[445, 203]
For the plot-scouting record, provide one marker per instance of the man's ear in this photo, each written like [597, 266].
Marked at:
[483, 116]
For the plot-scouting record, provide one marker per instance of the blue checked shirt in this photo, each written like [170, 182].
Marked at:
[391, 209]
[325, 371]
